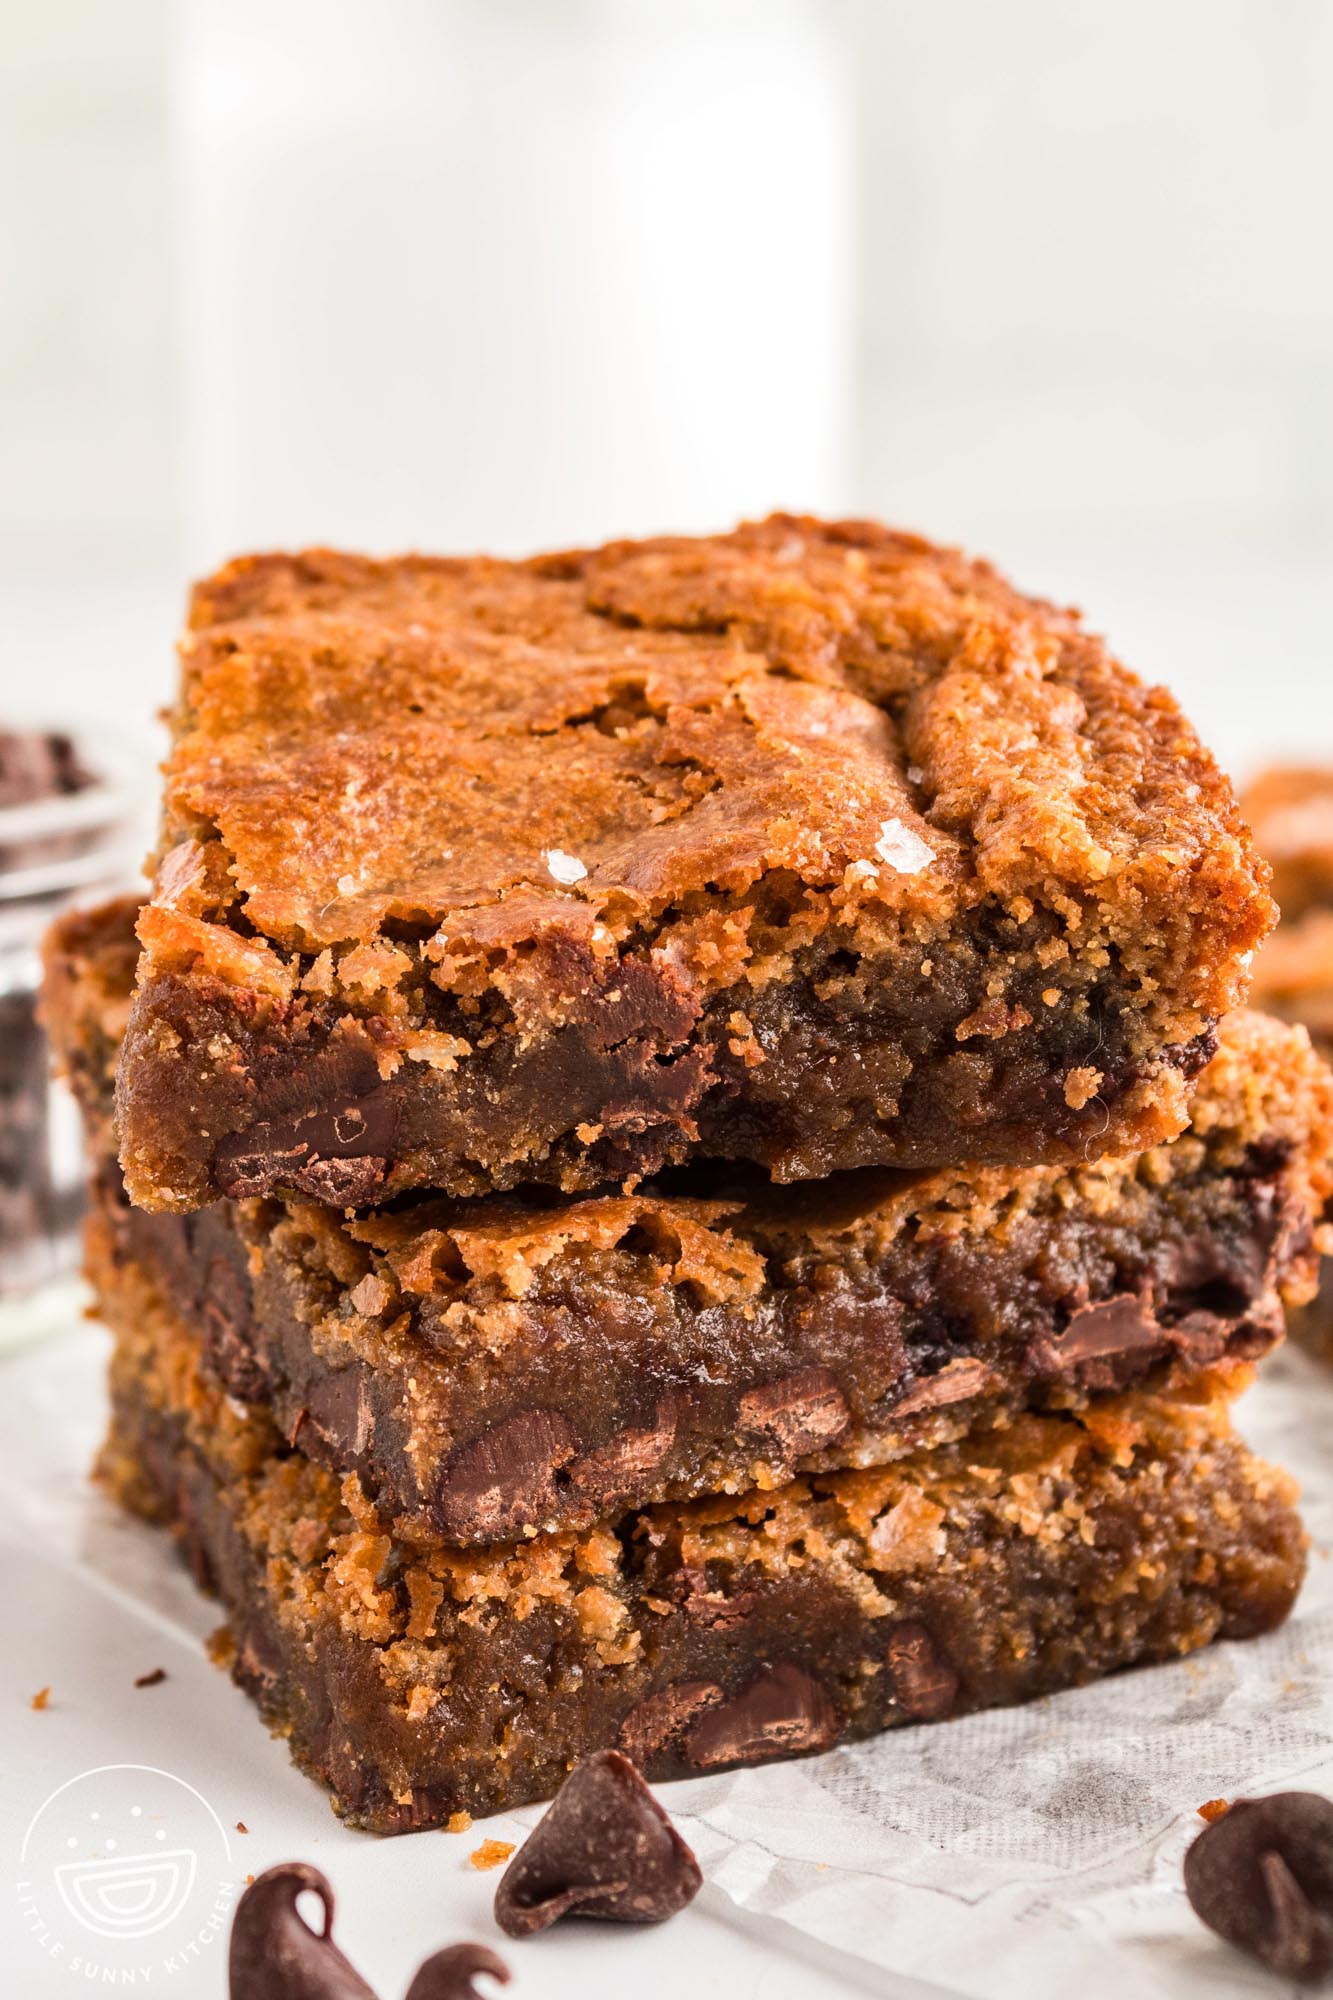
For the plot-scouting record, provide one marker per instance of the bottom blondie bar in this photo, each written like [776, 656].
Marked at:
[418, 1681]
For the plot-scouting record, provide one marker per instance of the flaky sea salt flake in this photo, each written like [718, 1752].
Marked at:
[566, 868]
[903, 849]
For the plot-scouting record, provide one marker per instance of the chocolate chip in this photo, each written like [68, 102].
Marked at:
[1261, 1876]
[152, 1679]
[780, 1712]
[800, 1413]
[660, 1720]
[618, 1471]
[719, 1608]
[925, 1686]
[605, 1848]
[227, 1315]
[341, 1183]
[1104, 1345]
[1188, 1058]
[504, 1481]
[1115, 1326]
[451, 1974]
[275, 1955]
[36, 766]
[338, 1406]
[954, 1383]
[1204, 1337]
[258, 1665]
[338, 1154]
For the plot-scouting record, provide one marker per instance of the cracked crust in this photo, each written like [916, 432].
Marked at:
[813, 845]
[420, 1682]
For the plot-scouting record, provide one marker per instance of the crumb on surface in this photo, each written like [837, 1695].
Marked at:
[220, 1646]
[458, 1822]
[42, 1698]
[1212, 1809]
[154, 1678]
[491, 1853]
[241, 1826]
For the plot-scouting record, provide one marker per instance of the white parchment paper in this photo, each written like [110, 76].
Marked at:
[1026, 1852]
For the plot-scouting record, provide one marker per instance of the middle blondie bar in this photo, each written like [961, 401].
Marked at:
[493, 1368]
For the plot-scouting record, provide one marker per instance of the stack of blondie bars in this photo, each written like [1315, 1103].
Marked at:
[675, 1163]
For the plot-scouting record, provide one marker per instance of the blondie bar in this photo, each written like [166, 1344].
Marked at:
[811, 845]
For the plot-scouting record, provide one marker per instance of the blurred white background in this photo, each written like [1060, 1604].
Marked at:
[1049, 279]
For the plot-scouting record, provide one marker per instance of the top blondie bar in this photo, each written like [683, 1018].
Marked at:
[811, 844]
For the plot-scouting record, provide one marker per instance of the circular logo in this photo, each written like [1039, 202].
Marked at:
[125, 1875]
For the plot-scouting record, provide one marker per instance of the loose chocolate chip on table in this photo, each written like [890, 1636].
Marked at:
[35, 766]
[605, 1848]
[274, 1953]
[451, 1974]
[1261, 1876]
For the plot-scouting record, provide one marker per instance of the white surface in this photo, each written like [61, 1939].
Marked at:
[494, 274]
[994, 1857]
[1089, 280]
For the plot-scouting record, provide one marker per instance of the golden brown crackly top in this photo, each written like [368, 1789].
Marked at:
[595, 737]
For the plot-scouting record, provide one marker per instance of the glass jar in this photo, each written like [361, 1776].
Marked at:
[68, 836]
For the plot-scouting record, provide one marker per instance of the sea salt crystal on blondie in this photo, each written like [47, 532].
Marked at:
[566, 868]
[903, 849]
